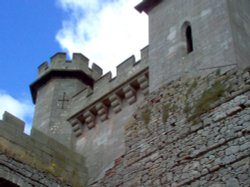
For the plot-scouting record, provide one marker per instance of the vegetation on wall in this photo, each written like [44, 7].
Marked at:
[167, 109]
[191, 88]
[207, 98]
[54, 167]
[165, 112]
[146, 115]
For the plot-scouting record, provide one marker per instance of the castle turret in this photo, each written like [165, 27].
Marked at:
[52, 92]
[195, 37]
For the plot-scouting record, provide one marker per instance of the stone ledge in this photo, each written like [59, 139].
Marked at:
[13, 121]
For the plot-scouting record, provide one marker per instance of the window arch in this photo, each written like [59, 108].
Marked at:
[187, 33]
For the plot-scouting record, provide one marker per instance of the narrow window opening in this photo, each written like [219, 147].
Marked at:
[189, 39]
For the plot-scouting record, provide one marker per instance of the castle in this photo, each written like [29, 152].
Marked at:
[179, 116]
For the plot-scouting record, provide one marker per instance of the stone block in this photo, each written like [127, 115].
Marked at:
[232, 150]
[144, 83]
[89, 119]
[97, 71]
[130, 94]
[77, 128]
[102, 111]
[233, 110]
[115, 103]
[13, 121]
[232, 182]
[43, 68]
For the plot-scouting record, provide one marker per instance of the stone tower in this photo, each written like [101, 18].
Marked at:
[195, 37]
[90, 112]
[52, 91]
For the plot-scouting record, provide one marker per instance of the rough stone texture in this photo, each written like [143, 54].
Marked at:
[239, 21]
[168, 145]
[51, 111]
[37, 160]
[188, 131]
[74, 111]
[24, 175]
[220, 31]
[173, 118]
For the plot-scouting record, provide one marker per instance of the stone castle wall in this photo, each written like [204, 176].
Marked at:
[98, 114]
[220, 36]
[191, 132]
[131, 76]
[37, 160]
[91, 118]
[87, 111]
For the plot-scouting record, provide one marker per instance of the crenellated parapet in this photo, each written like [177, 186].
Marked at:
[59, 66]
[12, 122]
[78, 62]
[110, 95]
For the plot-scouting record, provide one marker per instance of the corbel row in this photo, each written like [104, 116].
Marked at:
[144, 84]
[114, 101]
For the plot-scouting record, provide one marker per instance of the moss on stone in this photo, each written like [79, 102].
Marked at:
[207, 98]
[165, 112]
[146, 115]
[187, 107]
[55, 168]
[130, 124]
[191, 87]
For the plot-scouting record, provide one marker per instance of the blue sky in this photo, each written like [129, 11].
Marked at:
[27, 37]
[31, 31]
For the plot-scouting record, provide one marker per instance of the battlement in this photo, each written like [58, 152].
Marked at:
[77, 68]
[78, 62]
[126, 73]
[110, 93]
[13, 122]
[39, 153]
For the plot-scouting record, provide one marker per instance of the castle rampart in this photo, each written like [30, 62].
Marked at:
[108, 92]
[37, 160]
[78, 68]
[195, 66]
[179, 137]
[79, 62]
[73, 102]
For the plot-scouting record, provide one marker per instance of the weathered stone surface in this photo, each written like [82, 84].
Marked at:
[202, 153]
[177, 117]
[232, 182]
[28, 161]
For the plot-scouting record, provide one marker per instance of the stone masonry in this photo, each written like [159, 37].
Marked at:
[72, 109]
[170, 145]
[219, 33]
[87, 111]
[179, 116]
[37, 161]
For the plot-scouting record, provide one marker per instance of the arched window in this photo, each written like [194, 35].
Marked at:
[189, 39]
[187, 36]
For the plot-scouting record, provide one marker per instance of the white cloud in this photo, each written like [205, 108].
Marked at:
[107, 32]
[20, 108]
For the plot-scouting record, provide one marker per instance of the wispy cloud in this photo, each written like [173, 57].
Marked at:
[22, 109]
[106, 31]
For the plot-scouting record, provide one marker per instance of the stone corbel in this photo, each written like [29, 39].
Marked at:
[115, 102]
[89, 119]
[143, 82]
[102, 111]
[130, 94]
[76, 127]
